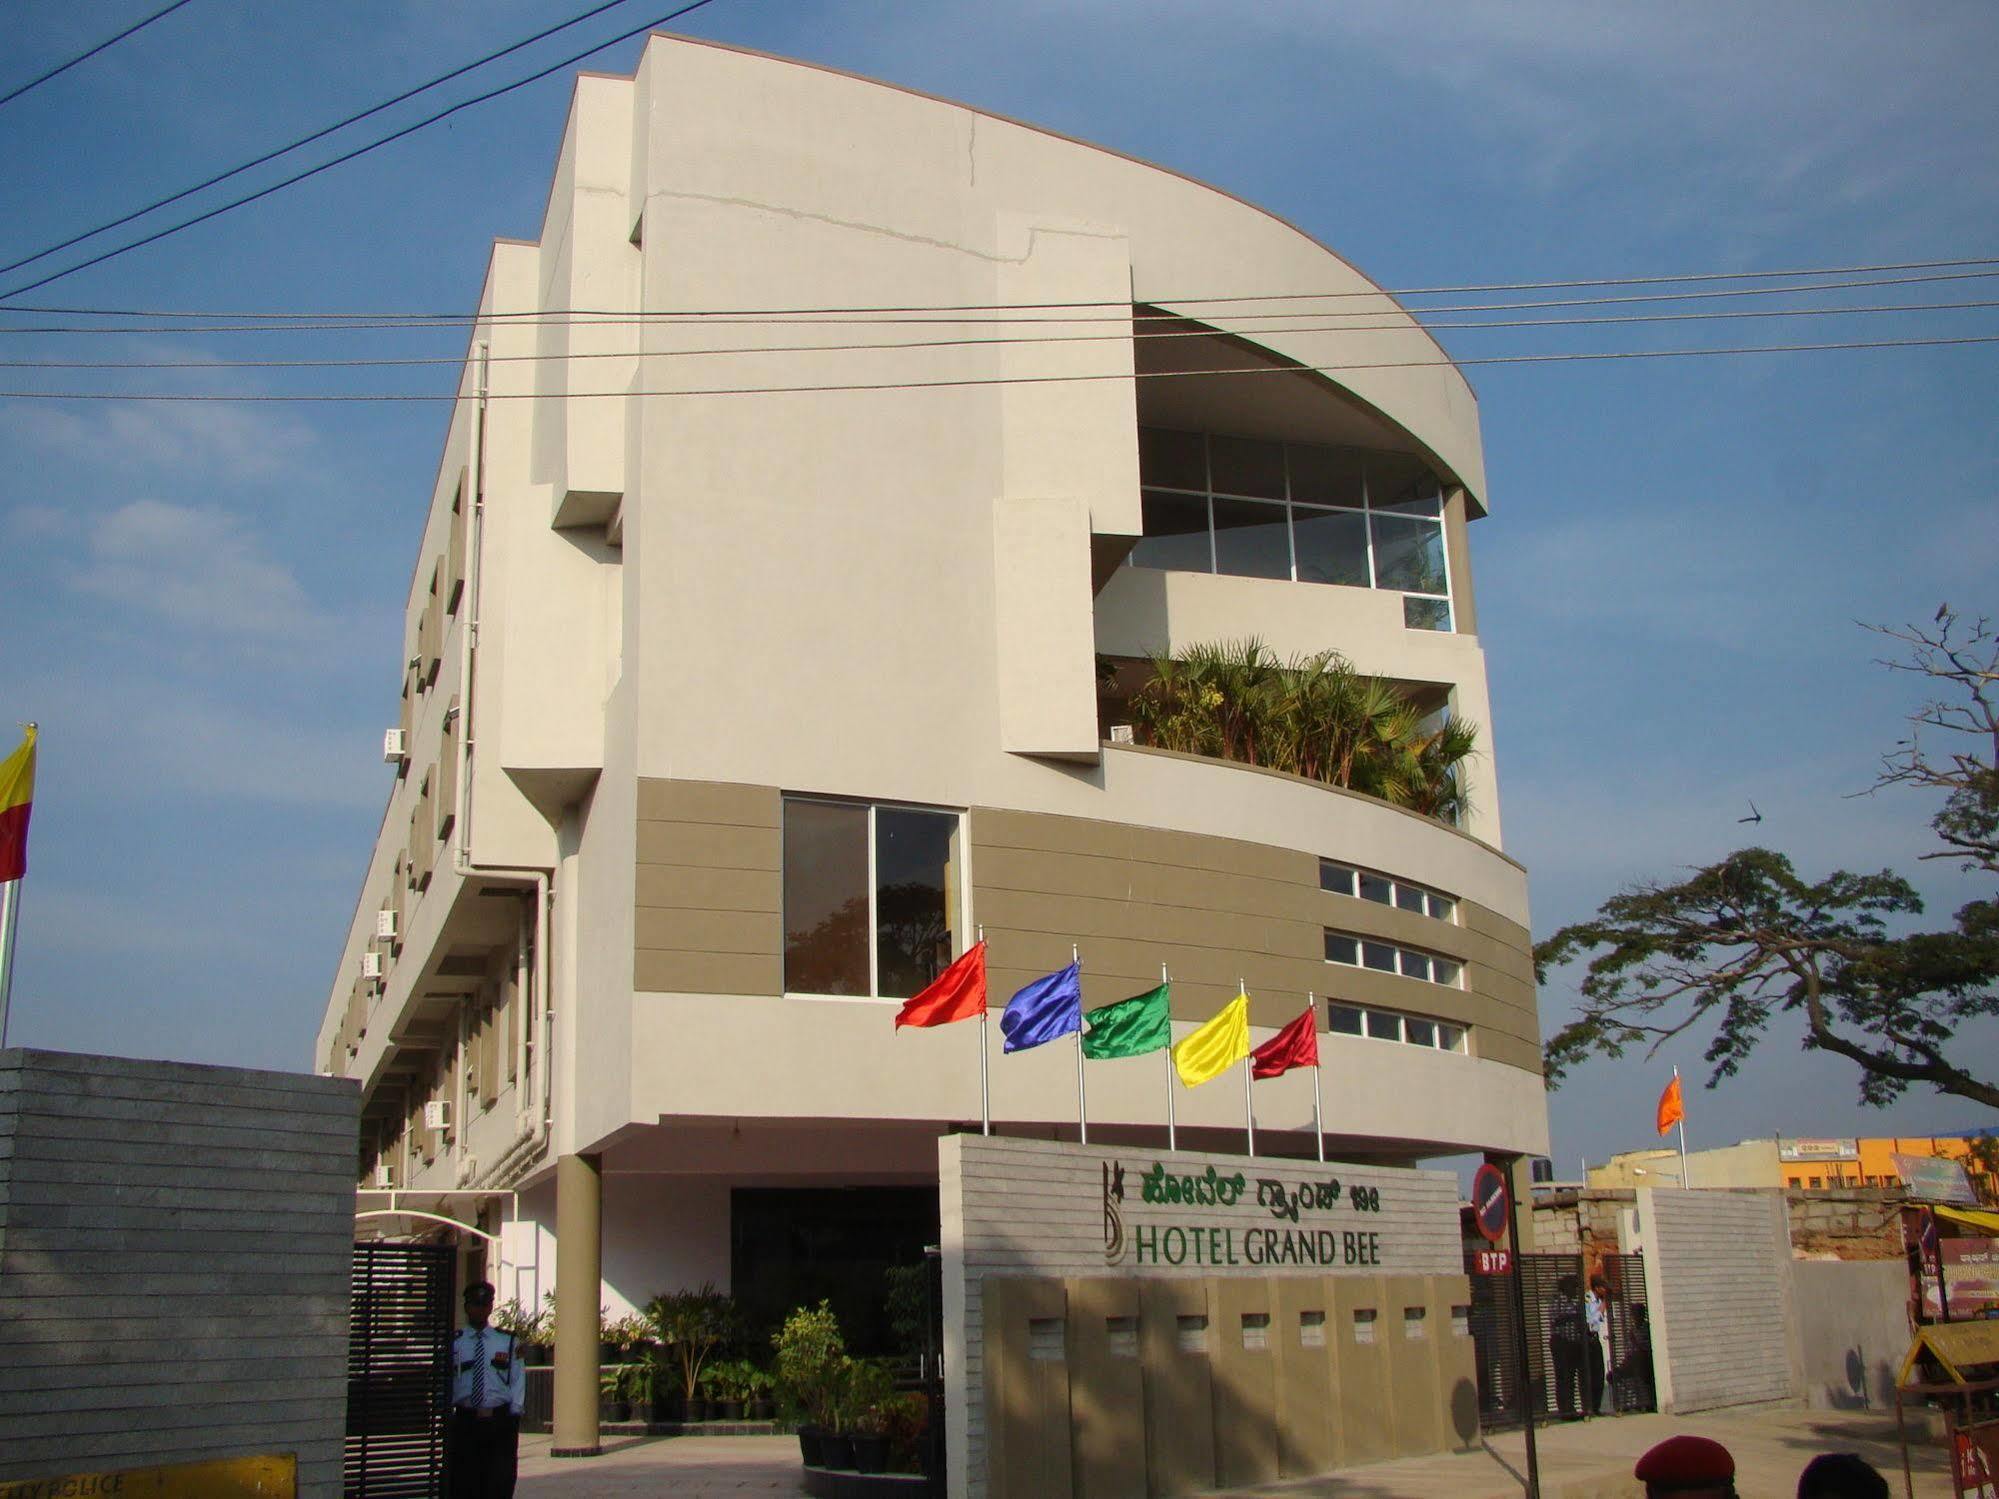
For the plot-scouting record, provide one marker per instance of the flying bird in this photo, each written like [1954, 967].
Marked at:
[1754, 815]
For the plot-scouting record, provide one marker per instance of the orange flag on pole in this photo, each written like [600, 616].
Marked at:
[1672, 1109]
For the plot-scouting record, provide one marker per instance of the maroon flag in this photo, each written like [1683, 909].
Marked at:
[1297, 1045]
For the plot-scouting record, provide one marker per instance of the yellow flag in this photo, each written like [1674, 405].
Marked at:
[1216, 1046]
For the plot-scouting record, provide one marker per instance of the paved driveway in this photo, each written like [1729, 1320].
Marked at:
[765, 1466]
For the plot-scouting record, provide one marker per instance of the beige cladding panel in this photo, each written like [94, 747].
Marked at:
[1219, 911]
[1027, 1390]
[1241, 1327]
[1106, 1385]
[1407, 1328]
[708, 889]
[1457, 1359]
[1307, 1376]
[1367, 1402]
[1173, 1334]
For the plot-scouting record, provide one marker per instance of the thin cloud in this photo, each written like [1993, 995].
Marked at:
[199, 569]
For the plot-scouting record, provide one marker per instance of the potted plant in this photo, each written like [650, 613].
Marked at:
[725, 1381]
[869, 1390]
[614, 1393]
[530, 1330]
[811, 1354]
[903, 1418]
[757, 1386]
[666, 1403]
[692, 1325]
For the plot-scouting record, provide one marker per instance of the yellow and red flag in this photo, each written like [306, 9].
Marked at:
[1672, 1108]
[17, 795]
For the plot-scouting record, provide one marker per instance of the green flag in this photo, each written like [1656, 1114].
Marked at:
[1130, 1027]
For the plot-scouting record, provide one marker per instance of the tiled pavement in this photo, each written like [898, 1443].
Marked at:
[1585, 1460]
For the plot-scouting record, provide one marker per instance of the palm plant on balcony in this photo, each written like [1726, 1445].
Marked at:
[1312, 716]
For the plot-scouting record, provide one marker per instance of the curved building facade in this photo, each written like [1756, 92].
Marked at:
[755, 656]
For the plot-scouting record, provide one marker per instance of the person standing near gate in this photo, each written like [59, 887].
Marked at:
[487, 1387]
[1596, 1312]
[1567, 1335]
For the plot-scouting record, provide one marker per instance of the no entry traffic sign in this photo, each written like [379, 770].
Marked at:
[1489, 1204]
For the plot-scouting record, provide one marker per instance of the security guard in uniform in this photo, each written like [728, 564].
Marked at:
[488, 1384]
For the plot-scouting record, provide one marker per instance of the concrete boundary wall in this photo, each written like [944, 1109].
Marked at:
[1718, 1282]
[175, 1248]
[1853, 1330]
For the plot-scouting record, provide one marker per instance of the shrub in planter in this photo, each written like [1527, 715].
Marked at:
[902, 1419]
[692, 1325]
[809, 1448]
[811, 1364]
[836, 1450]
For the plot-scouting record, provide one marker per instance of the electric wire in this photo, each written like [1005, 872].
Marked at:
[812, 318]
[304, 140]
[1406, 291]
[570, 356]
[409, 397]
[60, 68]
[285, 320]
[347, 156]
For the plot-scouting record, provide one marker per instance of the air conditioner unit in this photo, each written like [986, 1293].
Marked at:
[395, 747]
[1121, 733]
[437, 1114]
[371, 965]
[385, 924]
[385, 1174]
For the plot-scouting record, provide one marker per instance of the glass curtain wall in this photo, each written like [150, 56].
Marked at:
[1295, 511]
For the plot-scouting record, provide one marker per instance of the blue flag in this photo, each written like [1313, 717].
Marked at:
[1047, 1008]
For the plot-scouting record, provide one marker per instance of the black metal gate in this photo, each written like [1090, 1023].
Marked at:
[398, 1371]
[1497, 1337]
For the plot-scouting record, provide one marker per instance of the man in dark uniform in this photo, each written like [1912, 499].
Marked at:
[487, 1385]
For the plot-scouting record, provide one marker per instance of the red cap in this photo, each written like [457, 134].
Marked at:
[1685, 1462]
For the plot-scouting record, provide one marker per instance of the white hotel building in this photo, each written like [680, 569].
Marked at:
[731, 712]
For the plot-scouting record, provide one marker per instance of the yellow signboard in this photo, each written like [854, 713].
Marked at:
[227, 1478]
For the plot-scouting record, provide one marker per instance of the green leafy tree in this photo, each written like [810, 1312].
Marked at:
[1748, 943]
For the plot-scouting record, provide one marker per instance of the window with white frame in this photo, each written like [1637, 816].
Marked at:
[1386, 890]
[872, 896]
[1358, 517]
[1389, 957]
[1377, 1024]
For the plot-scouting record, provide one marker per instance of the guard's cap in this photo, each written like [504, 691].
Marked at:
[1685, 1462]
[480, 1291]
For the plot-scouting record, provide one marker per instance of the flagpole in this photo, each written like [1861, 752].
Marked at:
[1683, 1132]
[1082, 1107]
[1172, 1135]
[1318, 1119]
[985, 1089]
[1248, 1076]
[10, 916]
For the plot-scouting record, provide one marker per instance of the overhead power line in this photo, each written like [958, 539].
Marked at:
[838, 317]
[453, 319]
[59, 68]
[358, 151]
[572, 356]
[395, 397]
[304, 140]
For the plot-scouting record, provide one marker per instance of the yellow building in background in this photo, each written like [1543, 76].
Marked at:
[1805, 1163]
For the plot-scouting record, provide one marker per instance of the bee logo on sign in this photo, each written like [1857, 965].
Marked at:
[1113, 1214]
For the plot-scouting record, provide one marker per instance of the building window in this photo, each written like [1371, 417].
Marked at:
[1385, 890]
[1353, 517]
[1388, 957]
[871, 897]
[1378, 1024]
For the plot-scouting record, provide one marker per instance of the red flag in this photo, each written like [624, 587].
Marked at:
[1671, 1108]
[1297, 1045]
[958, 993]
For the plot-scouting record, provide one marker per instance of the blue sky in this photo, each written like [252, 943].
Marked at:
[201, 604]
